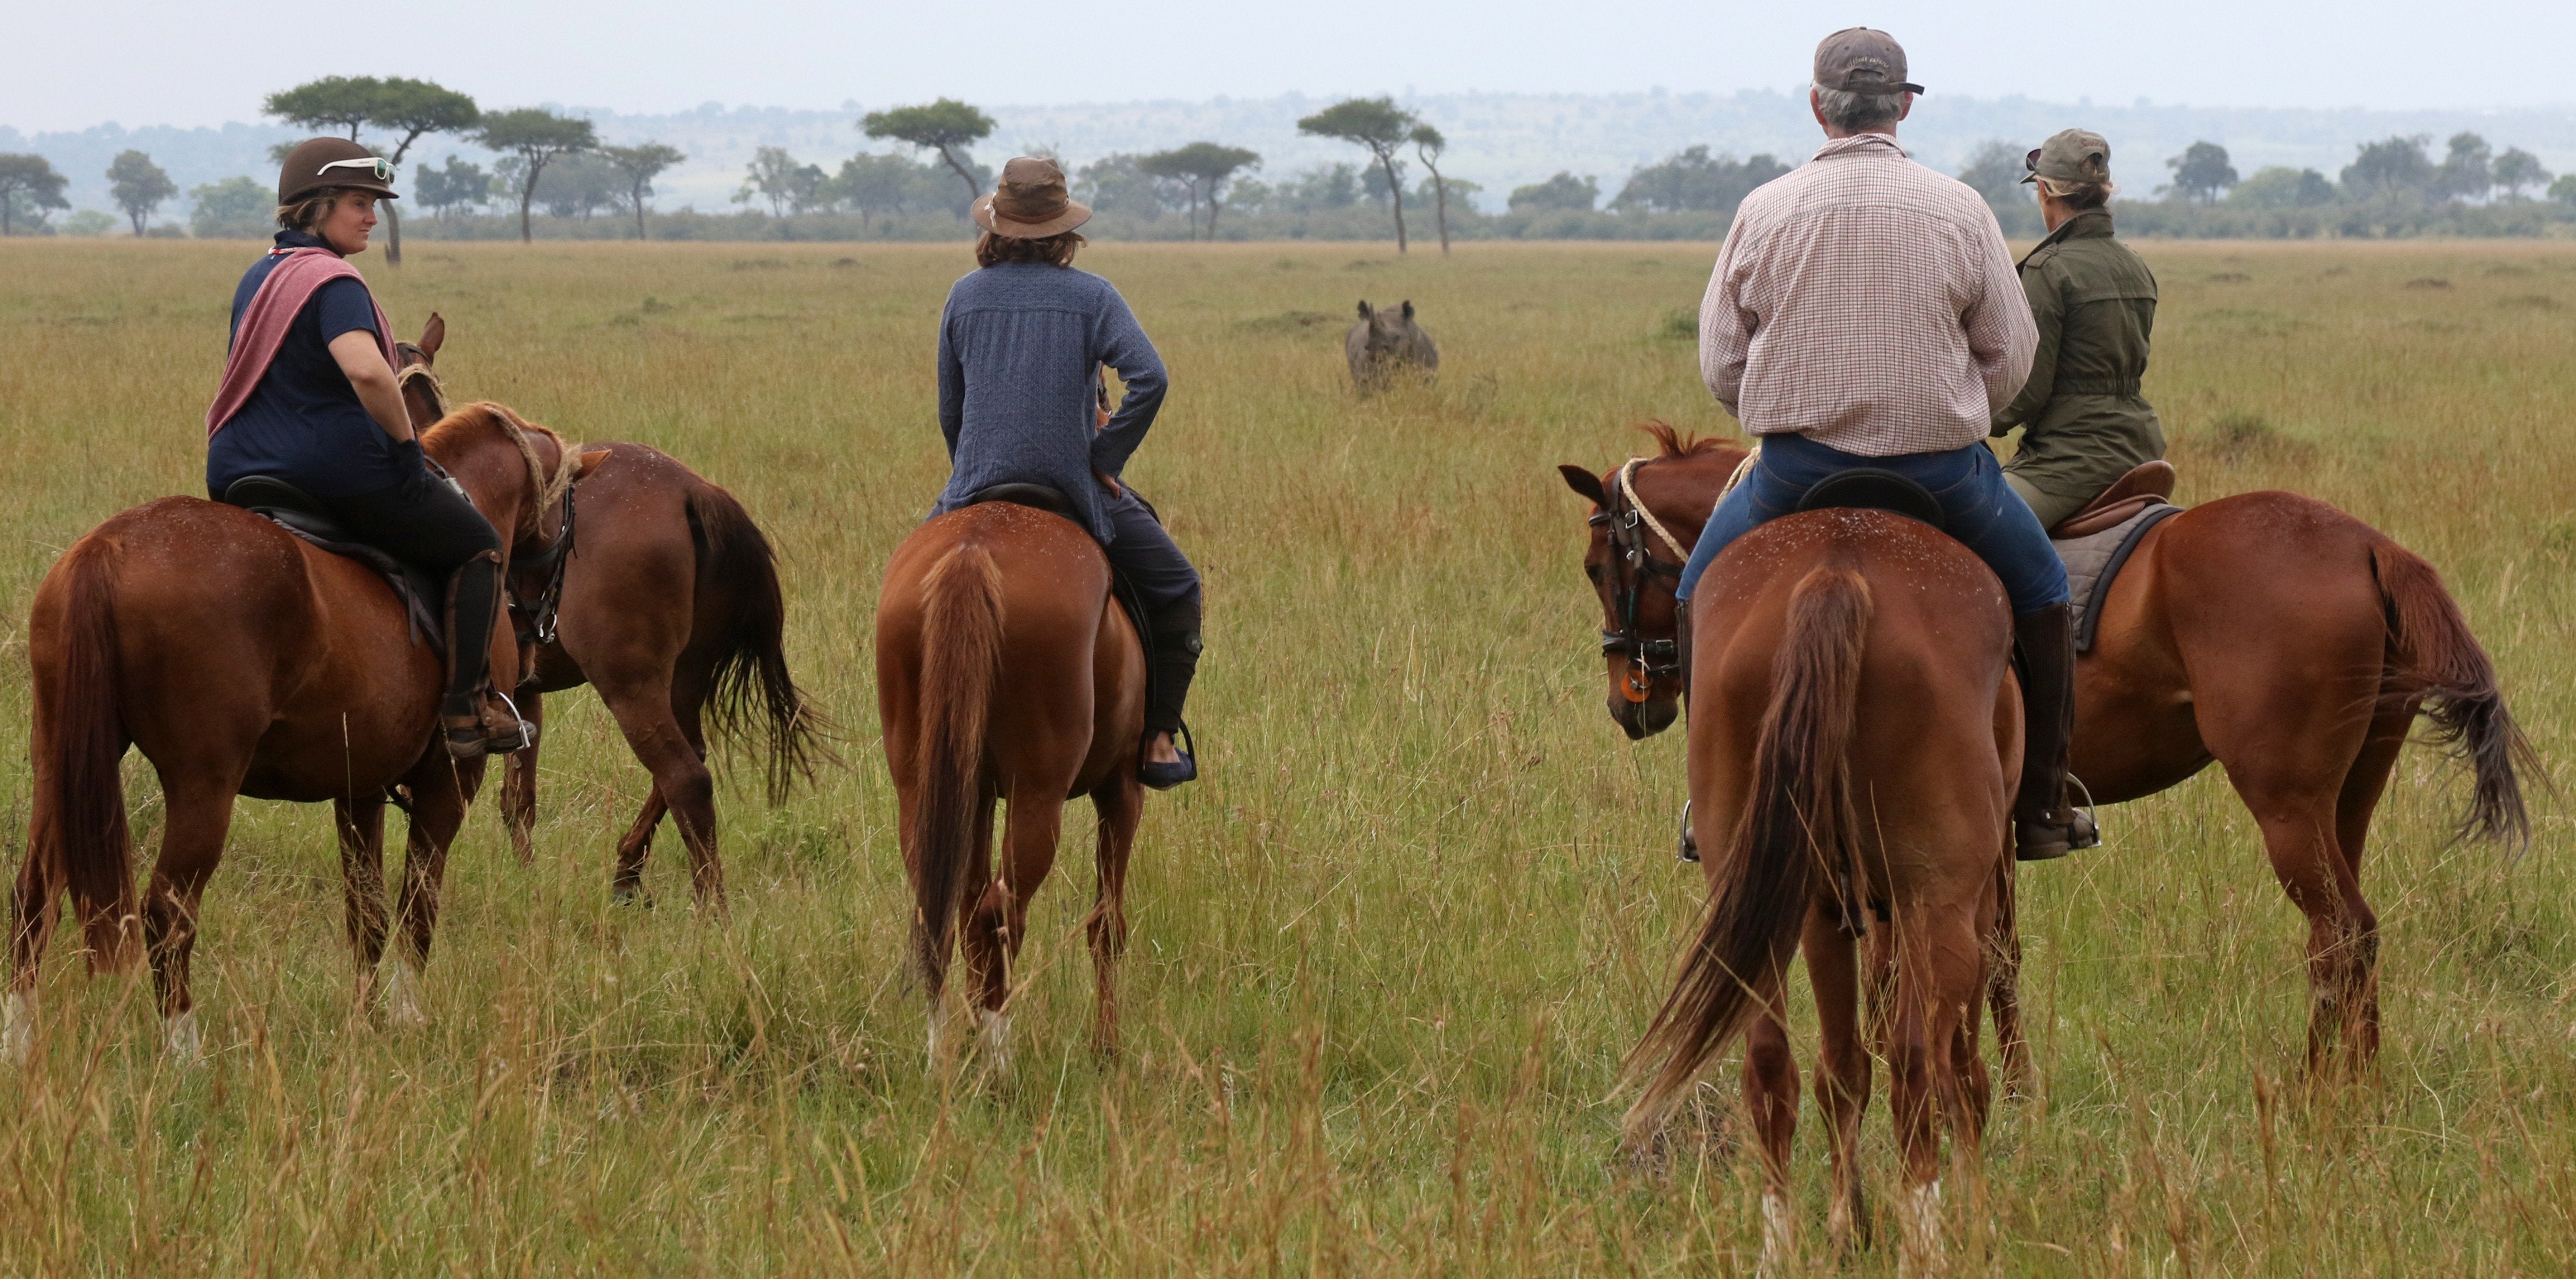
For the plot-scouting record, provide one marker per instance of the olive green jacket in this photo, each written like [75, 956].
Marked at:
[2096, 307]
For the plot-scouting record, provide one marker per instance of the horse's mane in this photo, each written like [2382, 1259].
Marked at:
[484, 415]
[517, 432]
[1674, 445]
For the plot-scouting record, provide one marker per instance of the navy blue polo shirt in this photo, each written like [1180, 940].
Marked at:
[304, 423]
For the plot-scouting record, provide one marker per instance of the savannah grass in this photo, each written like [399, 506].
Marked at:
[1387, 956]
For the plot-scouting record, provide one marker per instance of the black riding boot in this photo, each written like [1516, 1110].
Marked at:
[1174, 662]
[2044, 825]
[474, 718]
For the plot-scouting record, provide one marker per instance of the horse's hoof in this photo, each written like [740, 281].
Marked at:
[180, 1040]
[1779, 1235]
[628, 893]
[1918, 1223]
[402, 997]
[18, 1029]
[993, 1039]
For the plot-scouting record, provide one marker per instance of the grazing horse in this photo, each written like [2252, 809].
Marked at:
[2270, 632]
[242, 660]
[658, 590]
[1851, 768]
[1005, 671]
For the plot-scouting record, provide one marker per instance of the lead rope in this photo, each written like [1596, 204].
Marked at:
[1628, 486]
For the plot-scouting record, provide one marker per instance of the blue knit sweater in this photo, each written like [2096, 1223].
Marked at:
[1020, 349]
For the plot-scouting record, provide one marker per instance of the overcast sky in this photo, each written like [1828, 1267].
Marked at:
[198, 62]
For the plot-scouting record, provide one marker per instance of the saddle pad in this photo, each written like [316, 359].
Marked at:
[2093, 561]
[422, 595]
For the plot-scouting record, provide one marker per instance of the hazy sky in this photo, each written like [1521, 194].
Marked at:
[73, 65]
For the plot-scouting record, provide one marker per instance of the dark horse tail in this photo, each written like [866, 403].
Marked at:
[2438, 661]
[79, 840]
[961, 661]
[1799, 827]
[750, 679]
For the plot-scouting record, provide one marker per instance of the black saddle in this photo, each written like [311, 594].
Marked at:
[1043, 497]
[299, 513]
[1878, 489]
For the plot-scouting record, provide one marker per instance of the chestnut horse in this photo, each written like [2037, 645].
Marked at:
[242, 660]
[660, 592]
[1851, 767]
[1005, 671]
[2270, 632]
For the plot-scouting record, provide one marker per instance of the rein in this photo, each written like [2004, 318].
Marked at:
[1625, 522]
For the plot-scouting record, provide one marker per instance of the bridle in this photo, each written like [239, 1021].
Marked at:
[1625, 521]
[539, 614]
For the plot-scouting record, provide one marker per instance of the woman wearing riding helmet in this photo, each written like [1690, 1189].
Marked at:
[1021, 344]
[310, 398]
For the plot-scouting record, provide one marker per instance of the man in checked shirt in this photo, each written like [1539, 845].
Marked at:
[1865, 312]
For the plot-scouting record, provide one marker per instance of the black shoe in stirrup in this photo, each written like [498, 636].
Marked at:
[1164, 776]
[488, 730]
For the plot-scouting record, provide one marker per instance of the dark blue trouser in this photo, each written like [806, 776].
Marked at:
[1143, 553]
[1985, 514]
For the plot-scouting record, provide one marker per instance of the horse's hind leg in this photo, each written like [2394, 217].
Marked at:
[2362, 786]
[1842, 1072]
[439, 790]
[1940, 982]
[199, 814]
[626, 882]
[1119, 804]
[680, 780]
[999, 922]
[1771, 1102]
[2003, 984]
[361, 823]
[519, 781]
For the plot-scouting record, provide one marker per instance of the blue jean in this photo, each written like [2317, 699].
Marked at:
[1985, 514]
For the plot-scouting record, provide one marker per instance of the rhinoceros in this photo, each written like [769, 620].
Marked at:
[1385, 341]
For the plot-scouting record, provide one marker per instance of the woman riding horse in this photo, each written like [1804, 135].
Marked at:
[2095, 303]
[309, 397]
[1021, 344]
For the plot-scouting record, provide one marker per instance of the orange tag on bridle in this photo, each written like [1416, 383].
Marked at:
[1636, 685]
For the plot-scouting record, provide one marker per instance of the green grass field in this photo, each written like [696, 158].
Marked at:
[1387, 957]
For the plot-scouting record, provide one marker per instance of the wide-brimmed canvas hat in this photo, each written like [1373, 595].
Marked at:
[2070, 157]
[331, 164]
[1030, 202]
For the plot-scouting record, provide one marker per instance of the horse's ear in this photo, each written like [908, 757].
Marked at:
[1584, 482]
[433, 335]
[590, 460]
[1365, 312]
[1408, 308]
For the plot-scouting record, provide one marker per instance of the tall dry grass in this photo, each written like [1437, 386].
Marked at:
[1387, 955]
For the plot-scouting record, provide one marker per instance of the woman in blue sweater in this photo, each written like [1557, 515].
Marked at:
[1021, 345]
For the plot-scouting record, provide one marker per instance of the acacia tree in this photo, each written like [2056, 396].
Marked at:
[2516, 169]
[406, 109]
[1208, 167]
[1377, 124]
[640, 165]
[1428, 144]
[535, 137]
[138, 186]
[946, 126]
[2201, 172]
[27, 181]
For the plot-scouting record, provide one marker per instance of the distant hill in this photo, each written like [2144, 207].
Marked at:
[1499, 140]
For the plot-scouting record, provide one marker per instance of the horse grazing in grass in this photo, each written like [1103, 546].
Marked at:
[2288, 641]
[243, 660]
[1851, 768]
[656, 588]
[1005, 671]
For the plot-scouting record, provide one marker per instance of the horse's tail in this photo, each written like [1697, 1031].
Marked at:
[961, 661]
[750, 679]
[1799, 825]
[79, 839]
[2440, 662]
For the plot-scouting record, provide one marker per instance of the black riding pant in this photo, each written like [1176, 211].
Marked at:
[423, 521]
[1143, 554]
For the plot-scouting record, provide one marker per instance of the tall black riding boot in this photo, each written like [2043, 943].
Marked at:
[1174, 662]
[474, 718]
[2044, 825]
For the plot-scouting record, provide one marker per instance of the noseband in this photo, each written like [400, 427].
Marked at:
[1626, 522]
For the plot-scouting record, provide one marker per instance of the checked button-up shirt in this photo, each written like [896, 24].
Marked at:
[1867, 303]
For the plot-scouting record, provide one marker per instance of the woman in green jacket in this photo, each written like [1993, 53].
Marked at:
[2086, 424]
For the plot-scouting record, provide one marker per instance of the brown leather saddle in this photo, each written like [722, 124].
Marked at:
[2146, 484]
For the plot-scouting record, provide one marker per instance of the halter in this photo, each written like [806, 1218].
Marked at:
[1625, 522]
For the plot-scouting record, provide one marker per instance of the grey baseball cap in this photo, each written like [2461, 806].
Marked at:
[1862, 60]
[2073, 155]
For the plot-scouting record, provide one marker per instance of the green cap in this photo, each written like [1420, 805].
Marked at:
[2076, 155]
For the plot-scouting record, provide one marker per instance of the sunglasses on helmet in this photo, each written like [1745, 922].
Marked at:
[378, 165]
